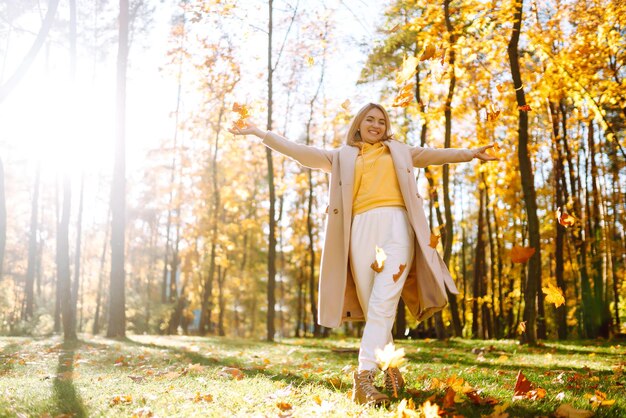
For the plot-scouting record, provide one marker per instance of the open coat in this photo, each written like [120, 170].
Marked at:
[424, 291]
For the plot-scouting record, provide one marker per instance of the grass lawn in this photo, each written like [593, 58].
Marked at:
[195, 376]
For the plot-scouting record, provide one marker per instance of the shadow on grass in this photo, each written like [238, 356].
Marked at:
[238, 362]
[66, 397]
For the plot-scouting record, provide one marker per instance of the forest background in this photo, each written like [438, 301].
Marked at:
[126, 206]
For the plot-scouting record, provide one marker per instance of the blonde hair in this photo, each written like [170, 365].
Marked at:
[353, 137]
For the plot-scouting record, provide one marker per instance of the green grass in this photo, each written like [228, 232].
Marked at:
[184, 376]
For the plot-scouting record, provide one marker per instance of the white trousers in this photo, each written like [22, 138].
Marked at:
[379, 293]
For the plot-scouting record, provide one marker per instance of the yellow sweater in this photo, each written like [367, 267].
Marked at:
[375, 180]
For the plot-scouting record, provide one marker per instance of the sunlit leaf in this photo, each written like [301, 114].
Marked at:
[565, 219]
[389, 357]
[492, 113]
[310, 61]
[599, 399]
[283, 406]
[408, 69]
[428, 53]
[379, 264]
[243, 114]
[429, 410]
[405, 96]
[522, 385]
[231, 372]
[406, 409]
[521, 254]
[434, 240]
[346, 104]
[501, 87]
[554, 295]
[525, 108]
[521, 327]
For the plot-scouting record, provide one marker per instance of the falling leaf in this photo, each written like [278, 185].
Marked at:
[243, 113]
[568, 411]
[521, 327]
[346, 104]
[408, 70]
[501, 87]
[492, 113]
[434, 240]
[525, 108]
[429, 52]
[405, 96]
[231, 372]
[390, 357]
[521, 254]
[565, 219]
[554, 295]
[397, 276]
[379, 264]
[310, 61]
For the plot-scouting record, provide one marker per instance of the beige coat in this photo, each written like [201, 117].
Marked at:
[424, 291]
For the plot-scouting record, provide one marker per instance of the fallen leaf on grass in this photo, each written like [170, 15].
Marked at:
[568, 411]
[121, 399]
[142, 412]
[524, 389]
[599, 399]
[429, 410]
[448, 399]
[136, 379]
[283, 406]
[476, 399]
[498, 412]
[203, 397]
[231, 373]
[406, 409]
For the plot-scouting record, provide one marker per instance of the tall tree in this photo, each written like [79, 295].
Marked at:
[3, 219]
[117, 295]
[29, 289]
[63, 264]
[533, 279]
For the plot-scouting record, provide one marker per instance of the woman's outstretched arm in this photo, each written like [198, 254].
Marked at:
[423, 157]
[306, 155]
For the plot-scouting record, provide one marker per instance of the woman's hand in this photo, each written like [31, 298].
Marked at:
[250, 129]
[482, 155]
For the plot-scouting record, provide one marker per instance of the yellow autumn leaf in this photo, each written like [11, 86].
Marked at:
[521, 327]
[389, 356]
[346, 104]
[408, 70]
[554, 295]
[429, 410]
[406, 409]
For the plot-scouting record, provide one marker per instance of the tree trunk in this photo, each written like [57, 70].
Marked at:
[96, 319]
[271, 253]
[526, 173]
[63, 264]
[32, 249]
[3, 220]
[117, 295]
[77, 253]
[479, 271]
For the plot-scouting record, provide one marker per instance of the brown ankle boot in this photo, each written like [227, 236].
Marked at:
[394, 382]
[364, 391]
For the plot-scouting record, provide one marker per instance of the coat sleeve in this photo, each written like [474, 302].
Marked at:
[306, 155]
[423, 157]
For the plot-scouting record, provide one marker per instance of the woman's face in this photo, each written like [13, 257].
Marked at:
[373, 126]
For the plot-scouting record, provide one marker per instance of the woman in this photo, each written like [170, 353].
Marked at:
[373, 203]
